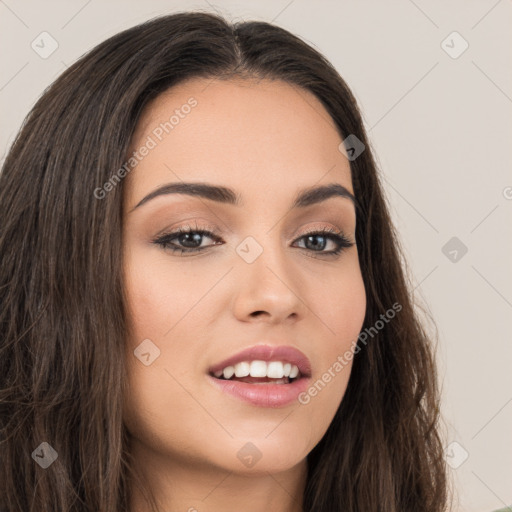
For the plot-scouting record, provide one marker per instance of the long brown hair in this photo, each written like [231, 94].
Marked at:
[63, 322]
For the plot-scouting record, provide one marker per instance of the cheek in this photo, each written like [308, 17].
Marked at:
[341, 309]
[159, 294]
[164, 312]
[163, 306]
[340, 306]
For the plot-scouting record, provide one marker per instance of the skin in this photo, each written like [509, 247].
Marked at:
[266, 140]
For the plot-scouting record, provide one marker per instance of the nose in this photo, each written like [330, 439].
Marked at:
[268, 286]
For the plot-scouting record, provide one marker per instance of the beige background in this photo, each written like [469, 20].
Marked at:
[441, 128]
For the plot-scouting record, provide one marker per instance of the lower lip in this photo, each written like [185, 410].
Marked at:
[263, 395]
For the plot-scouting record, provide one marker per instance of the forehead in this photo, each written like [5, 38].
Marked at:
[255, 135]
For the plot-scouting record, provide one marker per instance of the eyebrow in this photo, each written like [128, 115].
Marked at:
[305, 197]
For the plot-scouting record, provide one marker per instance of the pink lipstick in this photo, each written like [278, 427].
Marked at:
[263, 375]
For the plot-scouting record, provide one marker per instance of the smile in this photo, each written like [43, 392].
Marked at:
[260, 372]
[263, 375]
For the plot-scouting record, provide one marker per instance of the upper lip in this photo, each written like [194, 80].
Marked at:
[267, 353]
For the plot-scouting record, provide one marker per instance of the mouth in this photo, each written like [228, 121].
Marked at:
[263, 375]
[259, 372]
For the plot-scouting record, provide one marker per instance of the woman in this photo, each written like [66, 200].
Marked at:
[203, 304]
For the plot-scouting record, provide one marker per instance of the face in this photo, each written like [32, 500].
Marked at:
[260, 271]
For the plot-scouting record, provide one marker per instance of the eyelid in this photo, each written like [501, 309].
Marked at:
[190, 225]
[322, 226]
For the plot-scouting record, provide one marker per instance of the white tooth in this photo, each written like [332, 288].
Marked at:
[258, 369]
[228, 372]
[218, 373]
[242, 369]
[275, 370]
[294, 371]
[286, 369]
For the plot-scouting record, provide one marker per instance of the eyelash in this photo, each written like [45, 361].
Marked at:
[164, 241]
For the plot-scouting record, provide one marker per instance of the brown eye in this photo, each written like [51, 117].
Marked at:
[186, 240]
